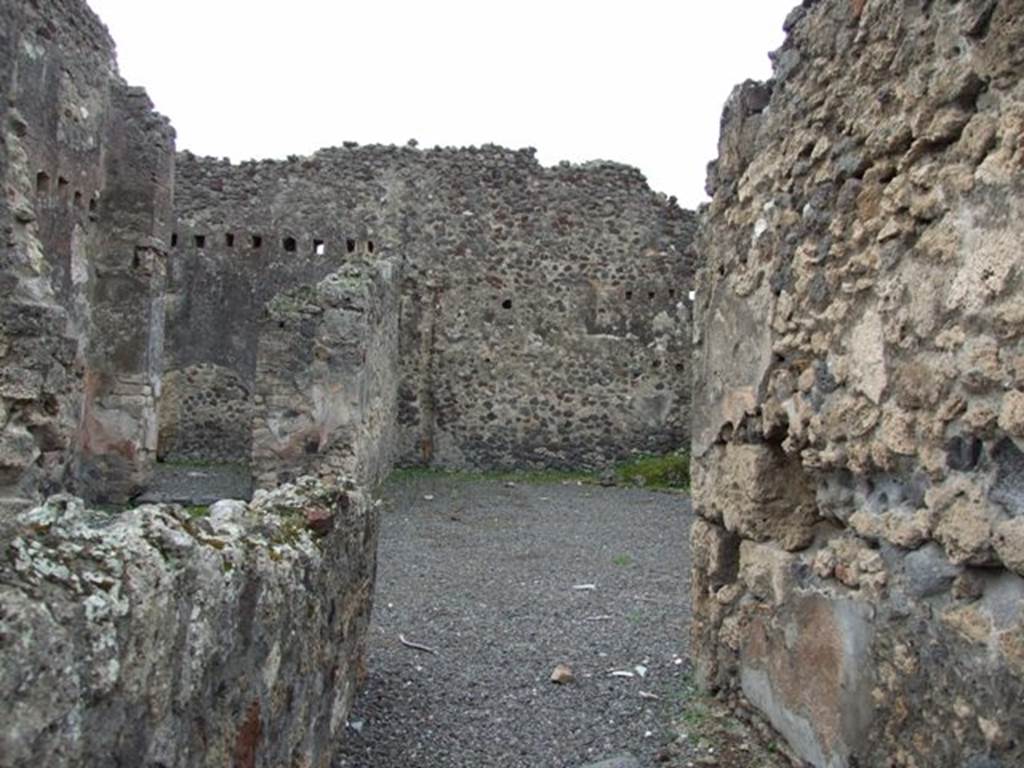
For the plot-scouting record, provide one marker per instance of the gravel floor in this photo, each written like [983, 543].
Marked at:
[486, 573]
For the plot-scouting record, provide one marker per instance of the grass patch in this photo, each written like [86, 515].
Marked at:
[622, 560]
[692, 708]
[695, 716]
[197, 511]
[670, 471]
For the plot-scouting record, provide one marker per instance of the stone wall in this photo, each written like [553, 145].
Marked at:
[544, 318]
[157, 637]
[326, 385]
[859, 401]
[86, 169]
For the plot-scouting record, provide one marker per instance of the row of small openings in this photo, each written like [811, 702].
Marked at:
[289, 244]
[43, 189]
[653, 294]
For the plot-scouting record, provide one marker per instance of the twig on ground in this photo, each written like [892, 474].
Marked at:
[416, 646]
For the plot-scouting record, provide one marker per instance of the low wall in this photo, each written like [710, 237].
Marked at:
[859, 401]
[160, 637]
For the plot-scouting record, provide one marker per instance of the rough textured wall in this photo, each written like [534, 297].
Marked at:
[154, 637]
[127, 271]
[326, 391]
[544, 315]
[86, 169]
[859, 401]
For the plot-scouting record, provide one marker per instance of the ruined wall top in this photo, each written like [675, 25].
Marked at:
[72, 26]
[394, 190]
[196, 168]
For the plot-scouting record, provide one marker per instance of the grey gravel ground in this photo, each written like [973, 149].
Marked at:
[485, 574]
[194, 484]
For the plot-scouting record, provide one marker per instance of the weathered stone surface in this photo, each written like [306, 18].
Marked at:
[760, 493]
[1011, 414]
[153, 637]
[858, 311]
[766, 571]
[327, 378]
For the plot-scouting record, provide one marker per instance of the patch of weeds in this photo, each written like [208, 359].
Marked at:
[668, 471]
[695, 716]
[197, 511]
[622, 560]
[702, 723]
[691, 705]
[299, 300]
[547, 476]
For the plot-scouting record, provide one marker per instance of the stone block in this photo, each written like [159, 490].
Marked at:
[762, 494]
[767, 572]
[1009, 544]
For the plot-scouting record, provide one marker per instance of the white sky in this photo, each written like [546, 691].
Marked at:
[638, 81]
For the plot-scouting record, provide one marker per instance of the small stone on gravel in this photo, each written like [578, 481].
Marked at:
[562, 674]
